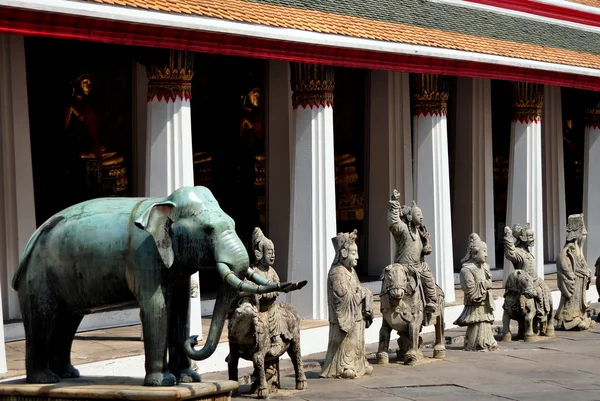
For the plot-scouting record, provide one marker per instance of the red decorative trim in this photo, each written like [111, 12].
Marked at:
[35, 23]
[166, 97]
[545, 10]
[427, 113]
[313, 106]
[526, 120]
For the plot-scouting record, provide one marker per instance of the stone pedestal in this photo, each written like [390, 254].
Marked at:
[431, 174]
[169, 155]
[525, 196]
[17, 208]
[553, 165]
[591, 185]
[473, 196]
[113, 388]
[390, 160]
[313, 221]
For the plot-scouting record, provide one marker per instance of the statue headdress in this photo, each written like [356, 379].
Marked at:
[474, 245]
[343, 241]
[575, 227]
[520, 231]
[258, 242]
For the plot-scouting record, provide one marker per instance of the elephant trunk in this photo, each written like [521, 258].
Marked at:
[231, 258]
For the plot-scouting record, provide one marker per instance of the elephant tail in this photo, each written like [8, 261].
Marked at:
[47, 226]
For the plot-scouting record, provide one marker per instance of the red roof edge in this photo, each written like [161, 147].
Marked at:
[545, 10]
[35, 23]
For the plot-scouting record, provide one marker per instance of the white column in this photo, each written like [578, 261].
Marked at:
[553, 167]
[17, 208]
[279, 103]
[313, 222]
[525, 202]
[169, 155]
[390, 160]
[431, 175]
[473, 197]
[591, 186]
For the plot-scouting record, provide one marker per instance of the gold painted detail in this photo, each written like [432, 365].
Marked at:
[430, 93]
[312, 85]
[592, 118]
[528, 99]
[167, 82]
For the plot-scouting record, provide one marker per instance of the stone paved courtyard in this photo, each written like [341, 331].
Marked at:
[566, 368]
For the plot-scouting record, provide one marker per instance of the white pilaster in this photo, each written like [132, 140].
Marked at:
[525, 201]
[17, 208]
[555, 214]
[313, 222]
[591, 185]
[432, 179]
[473, 196]
[279, 163]
[169, 154]
[390, 160]
[140, 130]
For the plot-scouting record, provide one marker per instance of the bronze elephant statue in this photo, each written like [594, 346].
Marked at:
[251, 335]
[111, 251]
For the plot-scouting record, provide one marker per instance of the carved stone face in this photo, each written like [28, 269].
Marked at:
[481, 255]
[352, 259]
[530, 238]
[268, 258]
[417, 216]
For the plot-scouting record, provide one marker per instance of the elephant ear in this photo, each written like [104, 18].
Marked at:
[157, 221]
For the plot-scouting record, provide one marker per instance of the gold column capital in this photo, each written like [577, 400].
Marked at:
[312, 85]
[592, 117]
[528, 99]
[430, 94]
[173, 78]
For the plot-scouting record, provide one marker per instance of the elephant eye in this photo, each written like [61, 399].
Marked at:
[208, 230]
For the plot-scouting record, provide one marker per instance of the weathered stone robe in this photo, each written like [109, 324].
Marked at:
[574, 277]
[347, 300]
[478, 313]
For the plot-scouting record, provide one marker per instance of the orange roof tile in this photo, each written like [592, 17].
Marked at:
[317, 21]
[591, 3]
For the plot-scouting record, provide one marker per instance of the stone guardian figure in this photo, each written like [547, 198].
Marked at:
[574, 277]
[476, 283]
[350, 312]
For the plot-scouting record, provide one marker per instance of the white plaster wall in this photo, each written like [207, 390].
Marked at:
[553, 167]
[279, 110]
[390, 160]
[473, 197]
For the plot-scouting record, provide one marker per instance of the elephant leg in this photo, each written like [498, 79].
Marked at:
[506, 334]
[550, 324]
[439, 349]
[232, 362]
[296, 357]
[411, 356]
[61, 338]
[259, 366]
[179, 305]
[37, 329]
[383, 357]
[529, 321]
[155, 321]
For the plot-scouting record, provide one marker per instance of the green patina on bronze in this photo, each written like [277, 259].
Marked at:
[110, 251]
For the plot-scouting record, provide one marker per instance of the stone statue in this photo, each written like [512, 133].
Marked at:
[410, 299]
[476, 283]
[597, 266]
[110, 251]
[350, 312]
[538, 320]
[574, 277]
[260, 330]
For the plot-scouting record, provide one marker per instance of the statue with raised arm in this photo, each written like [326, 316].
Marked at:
[517, 249]
[412, 244]
[574, 277]
[350, 312]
